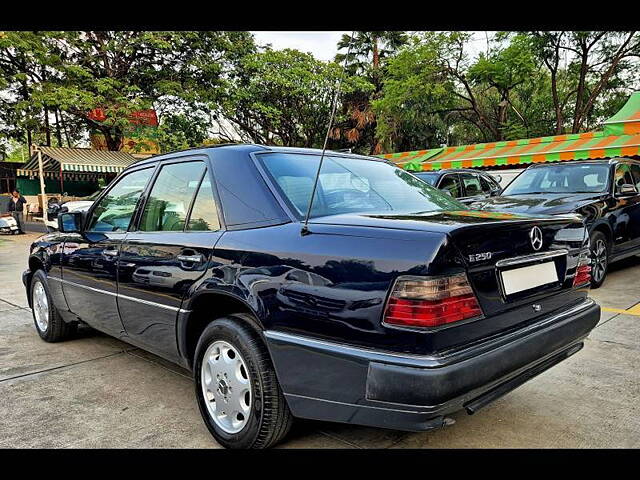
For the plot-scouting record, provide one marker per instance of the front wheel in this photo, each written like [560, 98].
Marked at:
[599, 258]
[238, 393]
[49, 324]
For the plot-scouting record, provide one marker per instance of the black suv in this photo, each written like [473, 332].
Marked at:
[464, 184]
[604, 192]
[394, 307]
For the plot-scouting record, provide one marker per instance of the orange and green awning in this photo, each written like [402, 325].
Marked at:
[412, 160]
[620, 138]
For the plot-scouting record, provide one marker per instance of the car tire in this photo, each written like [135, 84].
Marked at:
[238, 393]
[599, 246]
[49, 324]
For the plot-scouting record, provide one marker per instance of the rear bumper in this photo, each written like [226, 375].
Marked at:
[334, 382]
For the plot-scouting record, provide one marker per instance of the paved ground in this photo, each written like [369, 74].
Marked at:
[96, 391]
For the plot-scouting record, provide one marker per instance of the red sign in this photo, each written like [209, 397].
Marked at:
[141, 117]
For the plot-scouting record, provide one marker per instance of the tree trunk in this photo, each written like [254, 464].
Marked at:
[58, 130]
[577, 113]
[47, 129]
[376, 55]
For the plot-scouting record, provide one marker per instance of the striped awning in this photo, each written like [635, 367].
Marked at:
[620, 138]
[414, 158]
[57, 160]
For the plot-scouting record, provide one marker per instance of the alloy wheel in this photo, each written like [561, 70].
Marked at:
[599, 258]
[40, 304]
[226, 386]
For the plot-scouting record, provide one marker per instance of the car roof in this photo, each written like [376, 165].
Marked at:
[601, 161]
[454, 170]
[249, 147]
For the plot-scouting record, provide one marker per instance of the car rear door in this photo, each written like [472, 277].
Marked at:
[167, 252]
[626, 211]
[89, 260]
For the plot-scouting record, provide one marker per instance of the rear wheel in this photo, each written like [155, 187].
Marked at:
[599, 258]
[49, 324]
[238, 393]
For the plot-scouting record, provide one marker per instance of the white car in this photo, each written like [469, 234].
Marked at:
[51, 219]
[8, 224]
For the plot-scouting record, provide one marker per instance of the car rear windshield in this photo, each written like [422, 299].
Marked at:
[572, 178]
[349, 184]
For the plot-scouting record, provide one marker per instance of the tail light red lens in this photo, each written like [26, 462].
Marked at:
[431, 302]
[583, 270]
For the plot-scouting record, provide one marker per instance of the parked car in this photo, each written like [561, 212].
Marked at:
[452, 308]
[8, 224]
[604, 192]
[466, 185]
[55, 208]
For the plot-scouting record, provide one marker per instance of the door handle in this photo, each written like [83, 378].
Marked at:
[191, 258]
[110, 253]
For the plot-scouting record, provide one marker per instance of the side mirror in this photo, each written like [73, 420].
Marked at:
[627, 190]
[498, 178]
[70, 222]
[495, 192]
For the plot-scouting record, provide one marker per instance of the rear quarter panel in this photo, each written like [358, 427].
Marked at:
[351, 271]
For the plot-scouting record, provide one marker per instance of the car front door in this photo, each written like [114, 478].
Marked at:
[626, 224]
[450, 183]
[177, 228]
[89, 261]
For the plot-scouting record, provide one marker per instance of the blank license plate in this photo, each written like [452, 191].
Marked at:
[525, 278]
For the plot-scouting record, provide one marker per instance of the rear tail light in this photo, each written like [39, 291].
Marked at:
[431, 302]
[583, 270]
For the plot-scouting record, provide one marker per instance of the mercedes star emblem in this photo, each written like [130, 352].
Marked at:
[536, 238]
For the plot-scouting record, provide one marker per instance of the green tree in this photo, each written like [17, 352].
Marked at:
[590, 72]
[72, 73]
[284, 97]
[368, 53]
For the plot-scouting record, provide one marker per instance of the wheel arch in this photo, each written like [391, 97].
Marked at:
[605, 229]
[203, 309]
[35, 263]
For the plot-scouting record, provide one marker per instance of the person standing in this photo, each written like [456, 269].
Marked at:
[16, 207]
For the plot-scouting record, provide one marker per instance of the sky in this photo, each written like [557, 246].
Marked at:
[322, 44]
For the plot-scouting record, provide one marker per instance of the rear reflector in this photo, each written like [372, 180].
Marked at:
[583, 270]
[431, 302]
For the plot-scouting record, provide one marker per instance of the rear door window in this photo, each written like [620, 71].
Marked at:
[204, 214]
[471, 184]
[171, 195]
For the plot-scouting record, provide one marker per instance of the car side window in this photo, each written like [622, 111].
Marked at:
[204, 215]
[471, 184]
[487, 186]
[451, 184]
[170, 197]
[623, 176]
[114, 211]
[635, 171]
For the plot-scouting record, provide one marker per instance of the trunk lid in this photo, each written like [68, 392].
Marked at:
[497, 254]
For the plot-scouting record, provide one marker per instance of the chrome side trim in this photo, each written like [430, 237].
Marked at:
[428, 361]
[119, 295]
[534, 257]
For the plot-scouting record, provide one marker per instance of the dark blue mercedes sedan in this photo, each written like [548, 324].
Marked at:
[394, 307]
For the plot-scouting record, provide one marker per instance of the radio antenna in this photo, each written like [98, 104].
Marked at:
[305, 227]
